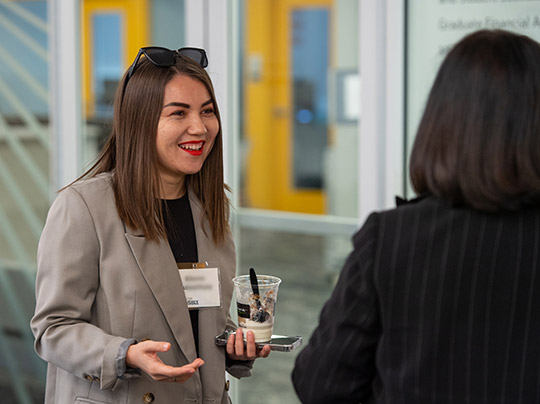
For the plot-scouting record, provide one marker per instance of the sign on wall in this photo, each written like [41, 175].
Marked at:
[434, 26]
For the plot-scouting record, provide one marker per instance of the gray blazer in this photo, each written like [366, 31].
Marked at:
[99, 284]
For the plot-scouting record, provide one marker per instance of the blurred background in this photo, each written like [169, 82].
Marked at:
[320, 100]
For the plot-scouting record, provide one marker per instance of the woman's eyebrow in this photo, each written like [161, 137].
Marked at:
[184, 105]
[177, 104]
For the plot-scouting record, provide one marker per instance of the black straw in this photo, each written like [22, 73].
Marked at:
[254, 283]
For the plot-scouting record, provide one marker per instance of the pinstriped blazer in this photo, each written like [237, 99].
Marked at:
[435, 304]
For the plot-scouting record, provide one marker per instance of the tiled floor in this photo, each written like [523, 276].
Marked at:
[307, 278]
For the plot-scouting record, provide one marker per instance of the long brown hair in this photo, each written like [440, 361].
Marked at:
[478, 143]
[130, 153]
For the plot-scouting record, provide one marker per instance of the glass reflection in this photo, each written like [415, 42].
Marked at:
[24, 179]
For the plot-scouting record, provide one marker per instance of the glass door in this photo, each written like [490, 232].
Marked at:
[294, 121]
[25, 152]
[298, 170]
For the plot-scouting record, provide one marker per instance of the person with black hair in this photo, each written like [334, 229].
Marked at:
[438, 302]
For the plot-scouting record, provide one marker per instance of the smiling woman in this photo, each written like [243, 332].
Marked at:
[133, 154]
[186, 132]
[114, 241]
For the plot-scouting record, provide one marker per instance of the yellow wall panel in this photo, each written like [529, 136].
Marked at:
[135, 35]
[268, 105]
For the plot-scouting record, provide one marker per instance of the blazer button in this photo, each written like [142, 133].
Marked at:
[227, 385]
[148, 398]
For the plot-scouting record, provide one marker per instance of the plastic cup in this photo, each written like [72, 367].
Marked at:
[257, 312]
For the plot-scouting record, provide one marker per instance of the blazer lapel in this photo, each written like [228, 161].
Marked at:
[202, 229]
[202, 232]
[157, 264]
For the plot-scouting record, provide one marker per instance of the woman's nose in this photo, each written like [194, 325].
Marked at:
[196, 126]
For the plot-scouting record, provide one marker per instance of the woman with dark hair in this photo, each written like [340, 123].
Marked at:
[437, 302]
[114, 318]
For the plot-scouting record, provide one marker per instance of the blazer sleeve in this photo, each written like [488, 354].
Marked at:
[338, 364]
[66, 285]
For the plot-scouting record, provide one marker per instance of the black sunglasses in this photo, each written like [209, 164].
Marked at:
[163, 57]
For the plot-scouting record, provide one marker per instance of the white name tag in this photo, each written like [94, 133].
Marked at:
[202, 287]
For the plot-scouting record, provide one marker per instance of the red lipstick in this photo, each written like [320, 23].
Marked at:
[195, 148]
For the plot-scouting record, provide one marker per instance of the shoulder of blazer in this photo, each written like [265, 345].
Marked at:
[94, 188]
[98, 196]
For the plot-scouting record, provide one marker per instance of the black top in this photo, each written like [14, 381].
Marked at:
[181, 233]
[436, 304]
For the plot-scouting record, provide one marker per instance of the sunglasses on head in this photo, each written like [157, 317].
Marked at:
[163, 57]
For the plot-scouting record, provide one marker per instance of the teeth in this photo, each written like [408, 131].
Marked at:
[191, 146]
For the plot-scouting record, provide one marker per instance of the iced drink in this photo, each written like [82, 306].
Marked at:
[256, 311]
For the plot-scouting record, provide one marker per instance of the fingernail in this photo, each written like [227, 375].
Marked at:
[165, 346]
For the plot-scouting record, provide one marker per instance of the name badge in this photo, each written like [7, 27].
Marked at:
[202, 287]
